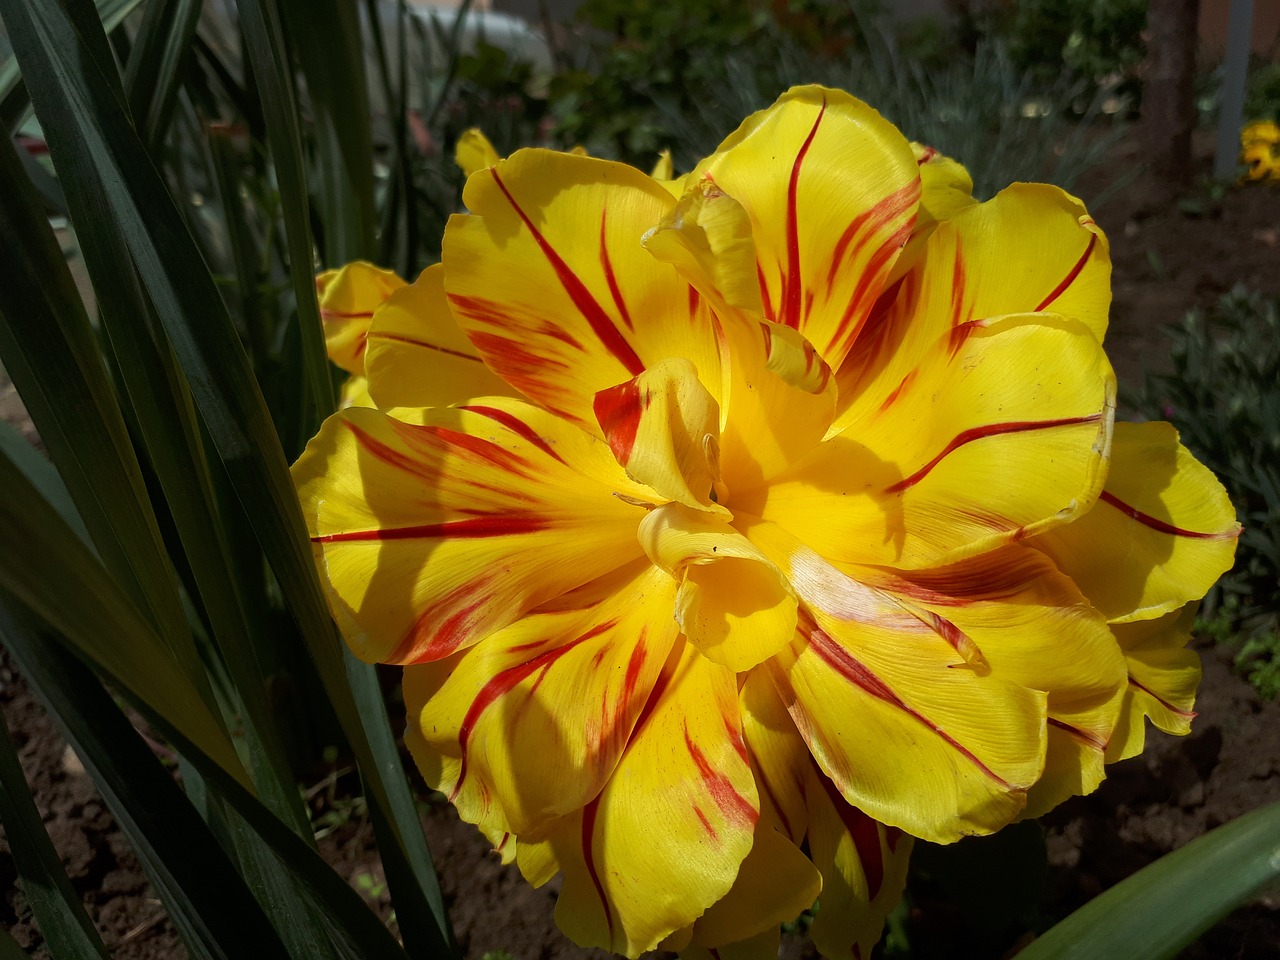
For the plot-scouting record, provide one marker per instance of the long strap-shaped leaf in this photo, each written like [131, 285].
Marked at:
[1164, 907]
[80, 104]
[58, 911]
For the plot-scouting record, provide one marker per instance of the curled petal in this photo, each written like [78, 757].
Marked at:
[432, 535]
[474, 152]
[831, 189]
[532, 720]
[666, 837]
[348, 298]
[962, 455]
[664, 428]
[417, 355]
[733, 604]
[1163, 529]
[549, 281]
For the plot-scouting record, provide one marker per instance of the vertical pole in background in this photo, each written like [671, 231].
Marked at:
[1239, 31]
[1168, 93]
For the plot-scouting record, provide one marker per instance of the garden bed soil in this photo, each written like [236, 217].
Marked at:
[1167, 260]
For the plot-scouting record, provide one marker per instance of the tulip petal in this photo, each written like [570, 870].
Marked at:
[549, 281]
[532, 720]
[1163, 677]
[775, 884]
[907, 737]
[1031, 248]
[666, 837]
[663, 427]
[779, 756]
[417, 354]
[831, 188]
[348, 297]
[432, 535]
[733, 604]
[1161, 534]
[864, 871]
[474, 152]
[960, 457]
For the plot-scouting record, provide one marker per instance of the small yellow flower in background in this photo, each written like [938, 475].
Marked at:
[732, 538]
[348, 297]
[1260, 151]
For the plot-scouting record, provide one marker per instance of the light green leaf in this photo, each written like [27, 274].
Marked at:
[1163, 908]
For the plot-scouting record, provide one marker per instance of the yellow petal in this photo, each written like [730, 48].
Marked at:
[432, 535]
[864, 871]
[665, 838]
[907, 737]
[663, 168]
[778, 753]
[417, 354]
[348, 297]
[997, 434]
[733, 604]
[532, 720]
[1031, 248]
[707, 238]
[945, 189]
[1163, 677]
[775, 884]
[474, 152]
[550, 283]
[1073, 767]
[664, 429]
[1162, 532]
[831, 189]
[355, 393]
[779, 399]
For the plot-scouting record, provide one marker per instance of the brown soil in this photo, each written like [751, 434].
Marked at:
[1167, 260]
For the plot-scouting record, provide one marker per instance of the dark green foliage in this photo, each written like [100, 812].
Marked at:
[1223, 395]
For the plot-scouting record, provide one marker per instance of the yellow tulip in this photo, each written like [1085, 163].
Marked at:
[732, 539]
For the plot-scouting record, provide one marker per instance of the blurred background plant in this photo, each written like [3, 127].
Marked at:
[212, 158]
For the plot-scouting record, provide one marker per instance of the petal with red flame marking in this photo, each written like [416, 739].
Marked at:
[997, 435]
[550, 282]
[831, 189]
[432, 535]
[733, 604]
[664, 429]
[1162, 532]
[666, 837]
[417, 354]
[779, 756]
[1031, 248]
[937, 750]
[532, 720]
[864, 871]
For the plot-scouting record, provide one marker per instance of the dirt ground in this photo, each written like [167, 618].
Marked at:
[1168, 258]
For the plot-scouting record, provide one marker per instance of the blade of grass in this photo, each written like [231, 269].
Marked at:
[325, 35]
[61, 916]
[1163, 908]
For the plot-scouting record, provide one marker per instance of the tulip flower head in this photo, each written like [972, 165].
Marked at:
[736, 529]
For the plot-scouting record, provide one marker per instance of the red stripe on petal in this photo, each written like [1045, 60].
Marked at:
[695, 300]
[1084, 736]
[515, 425]
[1160, 526]
[618, 411]
[475, 528]
[706, 824]
[589, 857]
[869, 283]
[892, 398]
[601, 323]
[414, 342]
[866, 838]
[431, 638]
[791, 286]
[388, 455]
[1070, 278]
[344, 315]
[732, 804]
[866, 224]
[843, 663]
[770, 313]
[1189, 714]
[991, 430]
[607, 264]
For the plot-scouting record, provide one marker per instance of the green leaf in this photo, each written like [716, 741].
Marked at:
[1164, 907]
[162, 44]
[58, 911]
